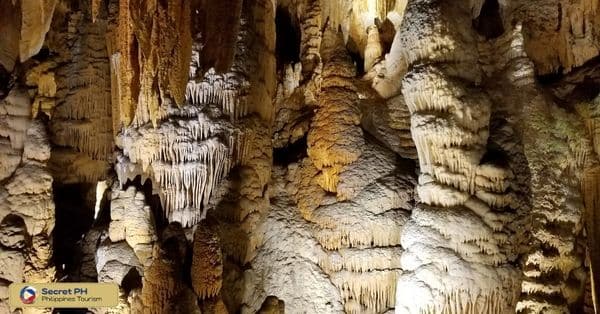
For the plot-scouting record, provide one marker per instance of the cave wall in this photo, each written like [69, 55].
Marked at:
[303, 156]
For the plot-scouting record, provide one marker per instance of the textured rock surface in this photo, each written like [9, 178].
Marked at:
[304, 156]
[26, 204]
[335, 139]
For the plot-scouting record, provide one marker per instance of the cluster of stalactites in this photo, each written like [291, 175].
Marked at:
[194, 145]
[335, 138]
[225, 90]
[230, 90]
[185, 157]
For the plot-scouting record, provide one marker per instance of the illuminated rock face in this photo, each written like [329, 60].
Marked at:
[462, 224]
[303, 156]
[335, 139]
[27, 210]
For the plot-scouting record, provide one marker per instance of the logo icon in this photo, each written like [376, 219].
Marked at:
[27, 295]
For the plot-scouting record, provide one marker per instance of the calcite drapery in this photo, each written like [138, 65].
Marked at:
[152, 57]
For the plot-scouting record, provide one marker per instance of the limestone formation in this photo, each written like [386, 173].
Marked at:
[207, 262]
[27, 207]
[335, 138]
[303, 156]
[464, 200]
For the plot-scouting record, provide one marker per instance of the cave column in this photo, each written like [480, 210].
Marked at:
[457, 248]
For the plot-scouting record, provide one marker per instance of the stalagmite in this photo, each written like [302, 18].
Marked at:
[335, 138]
[359, 232]
[132, 221]
[207, 262]
[373, 49]
[557, 208]
[163, 290]
[289, 254]
[80, 95]
[26, 204]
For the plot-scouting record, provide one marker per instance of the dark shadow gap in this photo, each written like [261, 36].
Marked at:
[489, 22]
[291, 153]
[131, 281]
[357, 58]
[287, 43]
[387, 32]
[73, 203]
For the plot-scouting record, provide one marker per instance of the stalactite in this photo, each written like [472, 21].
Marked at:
[10, 29]
[310, 44]
[154, 49]
[125, 65]
[95, 9]
[35, 23]
[566, 39]
[218, 24]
